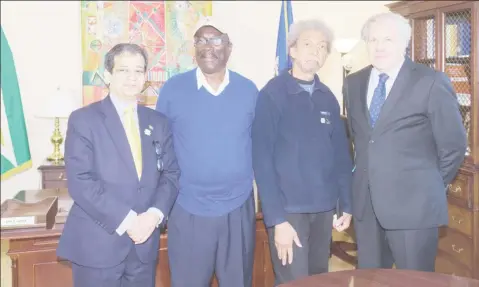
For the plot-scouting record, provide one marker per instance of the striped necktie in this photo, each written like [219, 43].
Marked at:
[379, 97]
[133, 135]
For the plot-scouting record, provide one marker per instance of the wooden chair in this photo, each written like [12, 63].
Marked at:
[341, 248]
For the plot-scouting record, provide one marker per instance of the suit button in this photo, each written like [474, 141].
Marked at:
[371, 141]
[364, 169]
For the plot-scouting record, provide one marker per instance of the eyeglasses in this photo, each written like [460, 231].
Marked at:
[159, 155]
[214, 41]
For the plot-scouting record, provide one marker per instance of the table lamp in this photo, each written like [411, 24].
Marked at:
[58, 105]
[344, 46]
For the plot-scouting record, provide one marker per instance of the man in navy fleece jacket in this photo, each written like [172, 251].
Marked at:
[211, 227]
[301, 158]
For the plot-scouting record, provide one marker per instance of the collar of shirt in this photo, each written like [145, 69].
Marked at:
[374, 80]
[121, 105]
[393, 73]
[294, 88]
[201, 82]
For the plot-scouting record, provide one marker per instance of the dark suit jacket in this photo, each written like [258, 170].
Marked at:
[414, 151]
[104, 185]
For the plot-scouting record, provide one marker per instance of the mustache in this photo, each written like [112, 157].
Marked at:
[208, 55]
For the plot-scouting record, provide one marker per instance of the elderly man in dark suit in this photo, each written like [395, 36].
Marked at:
[409, 143]
[123, 177]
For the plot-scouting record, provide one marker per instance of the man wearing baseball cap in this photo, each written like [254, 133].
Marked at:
[211, 228]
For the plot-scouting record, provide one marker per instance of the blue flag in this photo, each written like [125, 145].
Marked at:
[283, 61]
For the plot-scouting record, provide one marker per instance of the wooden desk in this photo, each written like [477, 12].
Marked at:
[35, 264]
[383, 278]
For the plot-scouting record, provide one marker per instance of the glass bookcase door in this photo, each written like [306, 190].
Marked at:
[458, 63]
[424, 44]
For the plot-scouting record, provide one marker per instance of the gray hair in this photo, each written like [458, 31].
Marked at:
[402, 24]
[306, 25]
[121, 48]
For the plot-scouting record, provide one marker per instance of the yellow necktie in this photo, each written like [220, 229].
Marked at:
[133, 135]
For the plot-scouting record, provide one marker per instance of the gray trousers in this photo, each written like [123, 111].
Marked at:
[314, 231]
[199, 247]
[130, 273]
[379, 248]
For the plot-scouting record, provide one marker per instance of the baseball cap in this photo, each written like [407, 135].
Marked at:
[213, 22]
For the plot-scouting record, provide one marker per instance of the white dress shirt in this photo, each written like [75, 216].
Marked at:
[374, 80]
[121, 106]
[202, 82]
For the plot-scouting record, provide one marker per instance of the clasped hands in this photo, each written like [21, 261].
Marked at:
[143, 226]
[342, 223]
[285, 235]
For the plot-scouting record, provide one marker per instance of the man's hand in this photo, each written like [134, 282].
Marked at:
[284, 235]
[342, 223]
[143, 226]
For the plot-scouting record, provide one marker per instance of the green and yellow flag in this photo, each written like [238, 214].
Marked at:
[15, 151]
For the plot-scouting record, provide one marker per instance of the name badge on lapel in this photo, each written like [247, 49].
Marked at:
[325, 117]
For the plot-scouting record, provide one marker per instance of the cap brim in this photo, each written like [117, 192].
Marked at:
[209, 25]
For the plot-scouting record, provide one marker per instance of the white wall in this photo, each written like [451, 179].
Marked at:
[45, 39]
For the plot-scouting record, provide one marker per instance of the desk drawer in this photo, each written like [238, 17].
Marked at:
[52, 184]
[447, 265]
[460, 219]
[58, 174]
[460, 188]
[34, 244]
[457, 245]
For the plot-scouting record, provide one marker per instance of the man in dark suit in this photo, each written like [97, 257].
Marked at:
[409, 142]
[123, 177]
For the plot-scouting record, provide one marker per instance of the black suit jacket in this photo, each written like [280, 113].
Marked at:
[413, 152]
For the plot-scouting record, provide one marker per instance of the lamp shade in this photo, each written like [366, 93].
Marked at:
[345, 45]
[59, 104]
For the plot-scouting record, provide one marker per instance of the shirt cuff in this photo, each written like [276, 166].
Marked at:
[158, 212]
[126, 223]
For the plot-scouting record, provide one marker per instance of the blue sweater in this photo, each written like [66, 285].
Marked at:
[301, 155]
[212, 140]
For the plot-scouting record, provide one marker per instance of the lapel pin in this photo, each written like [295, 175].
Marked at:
[150, 127]
[147, 132]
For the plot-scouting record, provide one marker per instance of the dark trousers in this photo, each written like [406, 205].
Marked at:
[314, 231]
[379, 248]
[130, 273]
[199, 247]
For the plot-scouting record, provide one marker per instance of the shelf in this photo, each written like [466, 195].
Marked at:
[426, 61]
[458, 60]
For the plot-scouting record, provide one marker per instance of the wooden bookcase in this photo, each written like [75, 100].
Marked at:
[445, 36]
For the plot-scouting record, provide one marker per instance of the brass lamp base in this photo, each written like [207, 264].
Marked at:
[56, 157]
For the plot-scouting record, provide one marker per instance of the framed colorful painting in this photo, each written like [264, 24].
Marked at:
[163, 28]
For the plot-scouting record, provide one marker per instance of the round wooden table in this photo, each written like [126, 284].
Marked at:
[382, 278]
